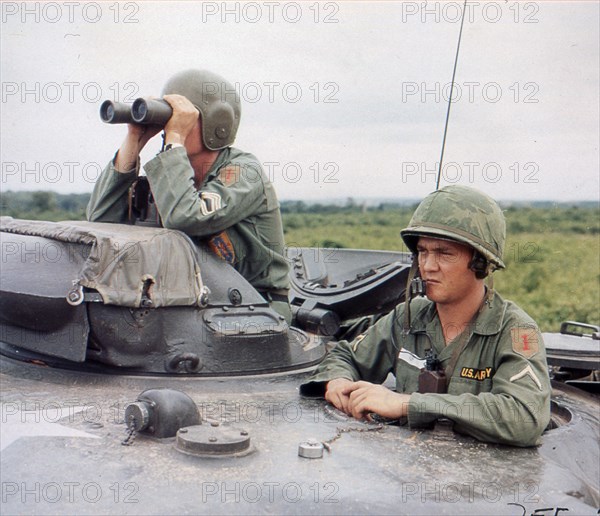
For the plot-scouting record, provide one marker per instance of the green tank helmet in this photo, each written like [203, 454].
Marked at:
[462, 214]
[217, 101]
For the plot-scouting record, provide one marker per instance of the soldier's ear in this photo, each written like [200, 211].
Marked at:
[479, 265]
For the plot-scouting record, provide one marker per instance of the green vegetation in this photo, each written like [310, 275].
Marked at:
[42, 205]
[554, 276]
[552, 252]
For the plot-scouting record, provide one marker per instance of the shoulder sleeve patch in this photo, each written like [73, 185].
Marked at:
[230, 174]
[221, 245]
[525, 341]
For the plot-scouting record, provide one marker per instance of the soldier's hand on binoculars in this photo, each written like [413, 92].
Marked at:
[137, 137]
[184, 118]
[142, 133]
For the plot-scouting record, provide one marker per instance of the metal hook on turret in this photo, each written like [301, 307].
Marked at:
[75, 295]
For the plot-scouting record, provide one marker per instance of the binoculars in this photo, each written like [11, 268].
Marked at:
[142, 111]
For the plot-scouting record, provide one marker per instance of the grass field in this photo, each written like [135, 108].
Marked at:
[552, 256]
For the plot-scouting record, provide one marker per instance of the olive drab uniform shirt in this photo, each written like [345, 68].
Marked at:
[235, 210]
[499, 390]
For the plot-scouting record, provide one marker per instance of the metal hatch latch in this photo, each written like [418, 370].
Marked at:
[75, 295]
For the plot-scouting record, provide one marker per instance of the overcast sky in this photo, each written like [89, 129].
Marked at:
[339, 99]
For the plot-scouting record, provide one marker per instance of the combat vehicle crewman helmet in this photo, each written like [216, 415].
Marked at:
[216, 99]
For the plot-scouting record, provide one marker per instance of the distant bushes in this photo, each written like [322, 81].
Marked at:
[44, 205]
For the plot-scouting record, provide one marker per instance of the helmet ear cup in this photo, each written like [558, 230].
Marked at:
[221, 121]
[479, 265]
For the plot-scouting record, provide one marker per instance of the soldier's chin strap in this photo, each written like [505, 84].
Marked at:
[489, 294]
[489, 280]
[409, 294]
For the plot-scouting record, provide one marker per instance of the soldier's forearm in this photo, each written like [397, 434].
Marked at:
[487, 417]
[128, 155]
[108, 202]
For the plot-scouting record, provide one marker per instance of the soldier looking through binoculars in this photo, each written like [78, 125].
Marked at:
[199, 183]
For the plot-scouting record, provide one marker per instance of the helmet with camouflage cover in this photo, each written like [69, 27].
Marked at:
[217, 101]
[462, 214]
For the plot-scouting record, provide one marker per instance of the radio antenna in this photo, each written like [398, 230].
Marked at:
[462, 21]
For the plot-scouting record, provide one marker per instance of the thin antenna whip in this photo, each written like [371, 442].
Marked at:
[439, 175]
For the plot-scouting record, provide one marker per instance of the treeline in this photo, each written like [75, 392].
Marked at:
[561, 218]
[582, 220]
[349, 206]
[542, 217]
[44, 205]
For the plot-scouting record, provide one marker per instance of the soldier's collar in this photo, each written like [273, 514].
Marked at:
[489, 321]
[218, 164]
